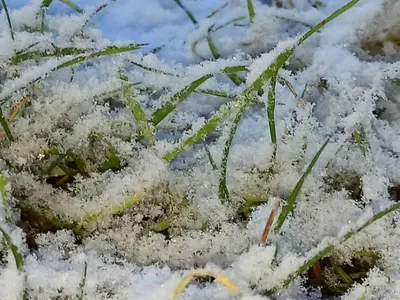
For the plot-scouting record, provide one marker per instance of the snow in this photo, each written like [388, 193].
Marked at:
[140, 230]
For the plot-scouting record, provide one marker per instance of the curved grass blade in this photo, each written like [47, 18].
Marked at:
[211, 44]
[218, 10]
[8, 18]
[328, 249]
[161, 113]
[244, 99]
[251, 11]
[19, 261]
[271, 113]
[188, 13]
[137, 111]
[72, 5]
[288, 208]
[205, 274]
[196, 42]
[6, 129]
[216, 55]
[223, 192]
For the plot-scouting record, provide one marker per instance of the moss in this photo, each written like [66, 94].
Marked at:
[346, 180]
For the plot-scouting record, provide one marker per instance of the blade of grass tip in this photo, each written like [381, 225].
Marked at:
[218, 10]
[6, 129]
[211, 159]
[288, 208]
[269, 223]
[188, 13]
[19, 261]
[152, 69]
[251, 11]
[98, 9]
[169, 106]
[271, 113]
[145, 127]
[220, 116]
[72, 5]
[214, 93]
[328, 249]
[8, 19]
[82, 284]
[45, 5]
[223, 192]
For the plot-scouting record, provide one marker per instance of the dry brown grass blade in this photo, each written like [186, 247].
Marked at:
[14, 112]
[270, 221]
[201, 274]
[17, 108]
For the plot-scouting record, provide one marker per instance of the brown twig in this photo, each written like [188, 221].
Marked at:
[267, 228]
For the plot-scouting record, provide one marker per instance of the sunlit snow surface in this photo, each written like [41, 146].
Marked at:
[345, 87]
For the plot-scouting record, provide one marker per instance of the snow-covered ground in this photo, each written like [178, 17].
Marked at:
[135, 230]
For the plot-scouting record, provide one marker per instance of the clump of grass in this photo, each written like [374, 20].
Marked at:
[327, 250]
[334, 278]
[245, 98]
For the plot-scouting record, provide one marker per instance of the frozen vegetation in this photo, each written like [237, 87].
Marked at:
[214, 149]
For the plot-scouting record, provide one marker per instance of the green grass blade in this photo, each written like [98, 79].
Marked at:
[19, 261]
[144, 126]
[223, 192]
[59, 52]
[188, 13]
[251, 11]
[82, 283]
[218, 10]
[244, 98]
[212, 123]
[45, 5]
[153, 69]
[216, 55]
[271, 112]
[107, 51]
[211, 159]
[3, 191]
[8, 19]
[214, 93]
[6, 129]
[72, 5]
[328, 249]
[211, 44]
[333, 16]
[288, 208]
[228, 23]
[161, 113]
[110, 50]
